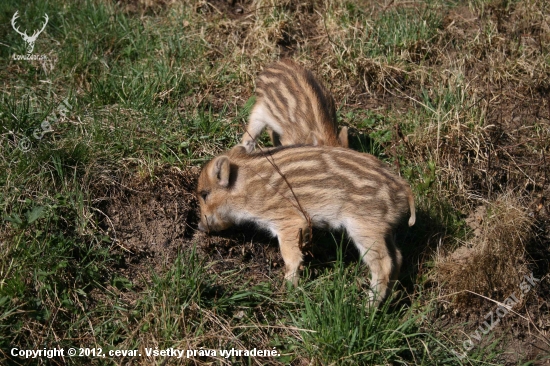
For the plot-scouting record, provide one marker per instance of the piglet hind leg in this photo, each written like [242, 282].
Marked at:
[374, 252]
[275, 137]
[257, 122]
[397, 259]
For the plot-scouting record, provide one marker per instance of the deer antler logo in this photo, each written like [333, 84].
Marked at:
[29, 39]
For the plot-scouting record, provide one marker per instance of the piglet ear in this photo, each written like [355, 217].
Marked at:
[343, 137]
[220, 171]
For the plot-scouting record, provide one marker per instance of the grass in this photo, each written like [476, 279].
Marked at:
[340, 327]
[133, 96]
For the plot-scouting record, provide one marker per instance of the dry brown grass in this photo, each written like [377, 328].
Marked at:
[492, 262]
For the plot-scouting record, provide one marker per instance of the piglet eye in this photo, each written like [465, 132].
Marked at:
[204, 194]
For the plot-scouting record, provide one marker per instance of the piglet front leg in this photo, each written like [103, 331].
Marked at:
[290, 239]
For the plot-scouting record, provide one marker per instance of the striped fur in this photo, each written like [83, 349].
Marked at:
[295, 108]
[333, 188]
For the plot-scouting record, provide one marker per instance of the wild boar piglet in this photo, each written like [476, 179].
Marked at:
[295, 108]
[285, 189]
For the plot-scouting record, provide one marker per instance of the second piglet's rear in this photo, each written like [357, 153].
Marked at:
[284, 190]
[294, 107]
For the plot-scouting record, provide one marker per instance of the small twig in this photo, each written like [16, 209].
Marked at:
[486, 298]
[326, 30]
[534, 325]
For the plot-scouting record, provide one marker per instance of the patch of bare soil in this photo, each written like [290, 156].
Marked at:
[152, 219]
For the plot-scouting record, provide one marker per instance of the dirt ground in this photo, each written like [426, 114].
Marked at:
[152, 221]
